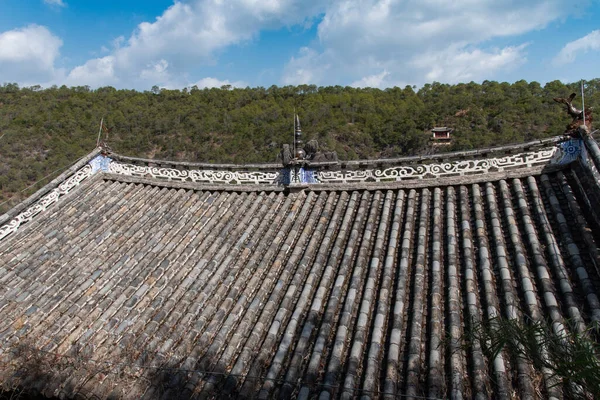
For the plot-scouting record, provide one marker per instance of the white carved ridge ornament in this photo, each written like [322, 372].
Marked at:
[397, 173]
[423, 171]
[196, 175]
[46, 201]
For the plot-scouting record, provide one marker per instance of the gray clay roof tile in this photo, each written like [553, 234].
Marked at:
[147, 289]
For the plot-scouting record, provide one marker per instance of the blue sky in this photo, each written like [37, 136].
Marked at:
[376, 43]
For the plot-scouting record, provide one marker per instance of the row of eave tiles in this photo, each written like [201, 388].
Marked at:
[328, 294]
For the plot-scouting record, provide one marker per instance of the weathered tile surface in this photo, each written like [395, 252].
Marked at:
[137, 290]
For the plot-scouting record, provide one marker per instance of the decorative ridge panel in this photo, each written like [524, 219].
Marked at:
[196, 175]
[316, 176]
[569, 151]
[46, 201]
[426, 171]
[561, 154]
[533, 145]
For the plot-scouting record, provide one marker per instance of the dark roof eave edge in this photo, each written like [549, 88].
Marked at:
[134, 160]
[7, 216]
[466, 153]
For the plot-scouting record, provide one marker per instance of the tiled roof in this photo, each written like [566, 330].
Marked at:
[139, 287]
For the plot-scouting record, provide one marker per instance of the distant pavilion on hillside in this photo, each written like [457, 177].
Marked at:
[441, 135]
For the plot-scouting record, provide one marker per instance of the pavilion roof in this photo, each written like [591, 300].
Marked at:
[148, 279]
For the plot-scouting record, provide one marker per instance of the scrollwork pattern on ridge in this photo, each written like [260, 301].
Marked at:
[396, 173]
[422, 171]
[196, 175]
[46, 201]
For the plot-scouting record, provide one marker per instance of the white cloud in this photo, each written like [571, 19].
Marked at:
[306, 68]
[458, 64]
[156, 71]
[375, 81]
[216, 83]
[95, 72]
[365, 42]
[28, 55]
[569, 52]
[58, 3]
[187, 35]
[359, 39]
[354, 25]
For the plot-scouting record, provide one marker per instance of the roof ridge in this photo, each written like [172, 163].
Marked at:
[49, 186]
[408, 159]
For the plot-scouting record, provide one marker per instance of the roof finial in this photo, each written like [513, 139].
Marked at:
[99, 132]
[582, 103]
[582, 119]
[299, 154]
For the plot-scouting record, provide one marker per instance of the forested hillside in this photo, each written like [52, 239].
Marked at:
[45, 130]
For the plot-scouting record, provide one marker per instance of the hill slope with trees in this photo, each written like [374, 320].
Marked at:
[44, 130]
